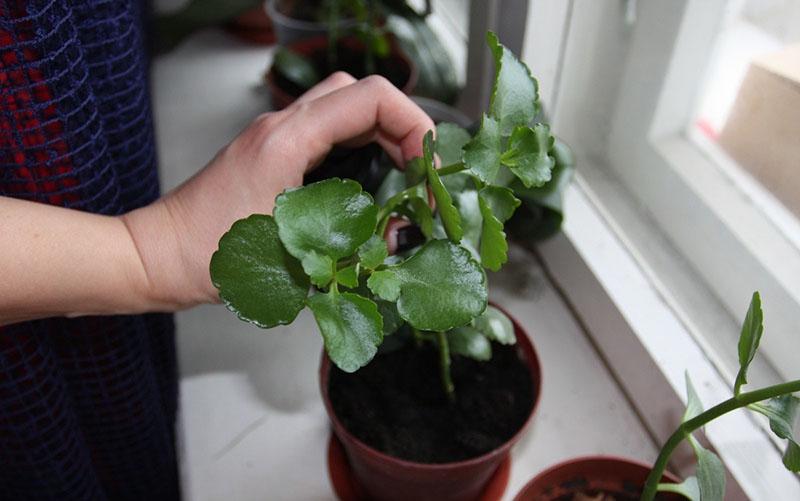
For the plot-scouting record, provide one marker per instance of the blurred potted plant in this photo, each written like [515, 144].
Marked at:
[605, 478]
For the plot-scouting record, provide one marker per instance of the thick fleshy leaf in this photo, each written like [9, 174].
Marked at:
[495, 325]
[694, 406]
[482, 154]
[688, 488]
[387, 309]
[444, 203]
[351, 327]
[372, 252]
[528, 155]
[385, 285]
[710, 473]
[415, 171]
[257, 279]
[392, 184]
[348, 276]
[515, 96]
[450, 139]
[494, 247]
[441, 287]
[319, 267]
[752, 329]
[501, 201]
[421, 214]
[470, 343]
[471, 220]
[782, 413]
[332, 217]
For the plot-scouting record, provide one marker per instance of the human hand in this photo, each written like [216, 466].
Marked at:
[176, 235]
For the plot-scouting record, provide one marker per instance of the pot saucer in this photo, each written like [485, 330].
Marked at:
[347, 488]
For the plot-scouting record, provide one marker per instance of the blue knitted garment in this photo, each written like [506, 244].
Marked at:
[87, 406]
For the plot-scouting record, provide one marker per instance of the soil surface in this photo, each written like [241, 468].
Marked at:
[396, 403]
[350, 57]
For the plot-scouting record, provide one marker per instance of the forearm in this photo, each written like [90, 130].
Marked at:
[61, 262]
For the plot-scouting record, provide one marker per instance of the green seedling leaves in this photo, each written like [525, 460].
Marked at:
[688, 488]
[332, 217]
[444, 203]
[469, 342]
[440, 287]
[710, 473]
[752, 329]
[495, 326]
[295, 68]
[515, 97]
[351, 328]
[782, 413]
[450, 141]
[528, 155]
[501, 201]
[494, 248]
[694, 407]
[385, 285]
[372, 252]
[482, 154]
[257, 279]
[348, 276]
[319, 267]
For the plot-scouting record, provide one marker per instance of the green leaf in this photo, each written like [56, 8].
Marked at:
[257, 279]
[387, 309]
[372, 252]
[515, 97]
[385, 285]
[710, 473]
[495, 326]
[441, 287]
[688, 488]
[749, 339]
[470, 343]
[295, 68]
[782, 413]
[471, 221]
[694, 407]
[332, 217]
[392, 184]
[415, 171]
[319, 267]
[351, 328]
[422, 215]
[501, 201]
[348, 276]
[444, 203]
[482, 153]
[528, 155]
[494, 247]
[450, 140]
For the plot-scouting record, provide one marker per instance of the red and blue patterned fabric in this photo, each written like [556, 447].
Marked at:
[87, 405]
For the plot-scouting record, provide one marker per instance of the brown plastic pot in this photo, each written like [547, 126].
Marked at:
[386, 478]
[610, 474]
[283, 96]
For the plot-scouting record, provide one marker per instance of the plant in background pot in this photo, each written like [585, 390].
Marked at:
[454, 380]
[622, 479]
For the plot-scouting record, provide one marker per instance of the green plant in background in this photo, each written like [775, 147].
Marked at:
[776, 402]
[329, 234]
[367, 28]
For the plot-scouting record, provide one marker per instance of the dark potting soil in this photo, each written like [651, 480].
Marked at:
[351, 59]
[396, 403]
[606, 496]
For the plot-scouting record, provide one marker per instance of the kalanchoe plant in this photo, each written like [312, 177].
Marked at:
[776, 402]
[329, 234]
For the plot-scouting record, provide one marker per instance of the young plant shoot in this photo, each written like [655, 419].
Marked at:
[330, 235]
[776, 402]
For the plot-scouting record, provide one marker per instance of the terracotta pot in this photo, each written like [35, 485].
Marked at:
[614, 475]
[386, 478]
[252, 26]
[283, 96]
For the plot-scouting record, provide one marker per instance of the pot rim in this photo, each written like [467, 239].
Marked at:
[532, 361]
[271, 7]
[609, 458]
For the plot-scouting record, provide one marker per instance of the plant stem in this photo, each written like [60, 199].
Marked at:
[451, 169]
[444, 365]
[687, 428]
